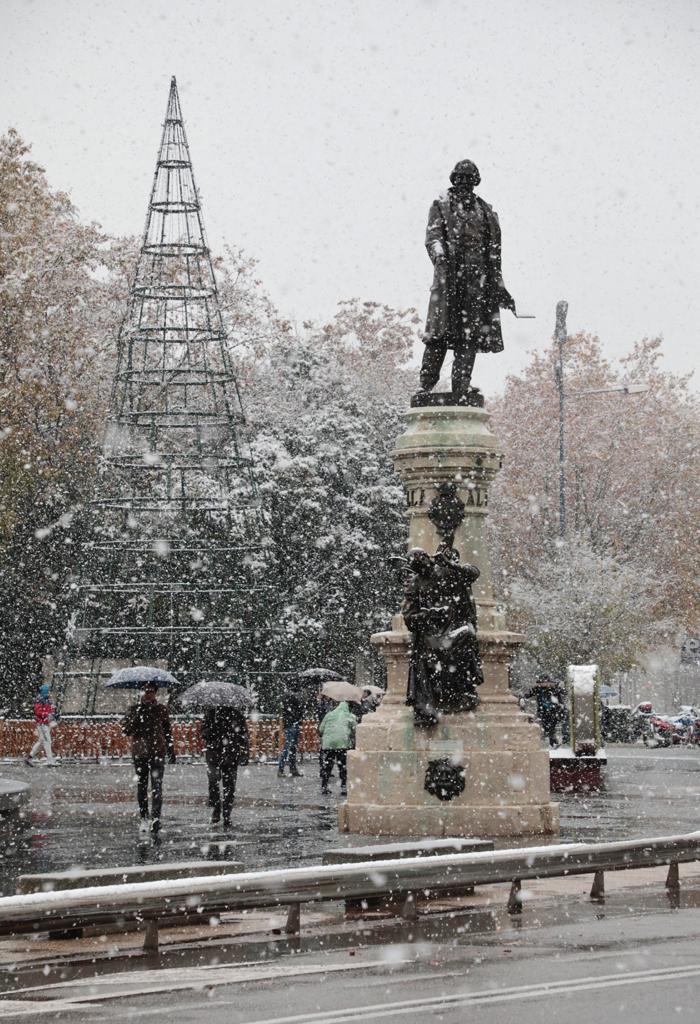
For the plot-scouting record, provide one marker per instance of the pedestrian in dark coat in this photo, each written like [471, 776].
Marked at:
[292, 715]
[148, 725]
[225, 734]
[550, 699]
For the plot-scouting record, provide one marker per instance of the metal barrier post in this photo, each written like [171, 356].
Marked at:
[515, 902]
[673, 882]
[409, 908]
[293, 926]
[598, 887]
[150, 939]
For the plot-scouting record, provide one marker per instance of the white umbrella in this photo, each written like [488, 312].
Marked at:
[340, 689]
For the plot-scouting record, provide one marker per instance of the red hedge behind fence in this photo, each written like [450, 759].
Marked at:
[93, 739]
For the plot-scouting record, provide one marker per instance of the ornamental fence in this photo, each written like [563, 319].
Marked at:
[103, 737]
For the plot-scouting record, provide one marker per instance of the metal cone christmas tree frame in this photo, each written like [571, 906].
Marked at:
[171, 568]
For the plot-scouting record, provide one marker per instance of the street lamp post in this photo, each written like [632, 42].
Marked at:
[626, 389]
[560, 338]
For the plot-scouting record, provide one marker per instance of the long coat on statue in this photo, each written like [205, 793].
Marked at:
[464, 298]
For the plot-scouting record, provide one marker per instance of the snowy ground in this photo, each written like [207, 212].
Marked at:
[84, 813]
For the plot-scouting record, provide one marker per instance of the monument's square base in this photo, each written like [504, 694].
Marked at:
[417, 820]
[506, 770]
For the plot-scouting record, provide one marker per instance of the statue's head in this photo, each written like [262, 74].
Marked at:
[418, 560]
[465, 173]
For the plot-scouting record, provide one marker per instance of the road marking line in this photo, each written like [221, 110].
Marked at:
[177, 979]
[488, 996]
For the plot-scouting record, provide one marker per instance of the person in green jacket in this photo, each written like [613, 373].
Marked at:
[337, 731]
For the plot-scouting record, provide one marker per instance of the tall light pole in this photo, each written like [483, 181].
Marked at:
[560, 338]
[626, 389]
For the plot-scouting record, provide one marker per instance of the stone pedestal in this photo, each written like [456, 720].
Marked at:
[506, 770]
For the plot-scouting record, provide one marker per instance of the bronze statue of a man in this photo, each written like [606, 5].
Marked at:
[463, 240]
[439, 609]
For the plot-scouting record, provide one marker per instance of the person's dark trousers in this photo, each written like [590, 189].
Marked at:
[328, 759]
[462, 367]
[565, 727]
[289, 750]
[153, 767]
[221, 777]
[549, 728]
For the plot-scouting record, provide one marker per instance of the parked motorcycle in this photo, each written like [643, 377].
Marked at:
[659, 732]
[639, 720]
[686, 727]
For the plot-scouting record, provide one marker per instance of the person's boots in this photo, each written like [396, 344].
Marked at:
[216, 816]
[295, 772]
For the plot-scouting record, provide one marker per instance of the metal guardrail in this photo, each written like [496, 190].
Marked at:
[399, 880]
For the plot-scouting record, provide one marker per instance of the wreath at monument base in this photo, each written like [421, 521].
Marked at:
[444, 779]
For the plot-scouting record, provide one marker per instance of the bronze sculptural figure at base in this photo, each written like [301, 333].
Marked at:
[440, 611]
[463, 240]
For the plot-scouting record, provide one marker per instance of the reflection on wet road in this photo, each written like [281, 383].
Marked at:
[84, 813]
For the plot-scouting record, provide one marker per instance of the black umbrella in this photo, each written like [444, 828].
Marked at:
[317, 676]
[217, 693]
[136, 677]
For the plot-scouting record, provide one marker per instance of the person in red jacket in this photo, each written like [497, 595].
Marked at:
[44, 719]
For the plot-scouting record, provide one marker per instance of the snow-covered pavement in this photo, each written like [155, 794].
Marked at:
[85, 813]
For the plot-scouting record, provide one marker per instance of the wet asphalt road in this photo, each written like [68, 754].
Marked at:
[84, 813]
[635, 960]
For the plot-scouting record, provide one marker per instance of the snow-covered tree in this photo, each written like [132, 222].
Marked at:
[324, 408]
[60, 284]
[632, 476]
[580, 606]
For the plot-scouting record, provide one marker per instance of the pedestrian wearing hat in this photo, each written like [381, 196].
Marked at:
[45, 717]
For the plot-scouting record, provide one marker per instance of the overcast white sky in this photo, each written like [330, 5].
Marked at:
[321, 131]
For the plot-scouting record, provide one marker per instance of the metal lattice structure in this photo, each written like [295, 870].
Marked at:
[171, 569]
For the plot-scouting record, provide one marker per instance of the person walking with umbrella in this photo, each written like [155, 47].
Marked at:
[226, 740]
[148, 725]
[225, 734]
[337, 731]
